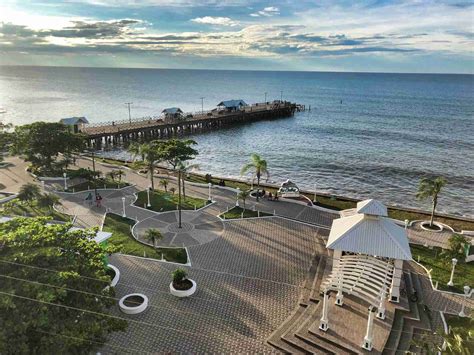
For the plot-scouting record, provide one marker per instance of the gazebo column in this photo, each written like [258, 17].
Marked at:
[396, 279]
[323, 325]
[381, 309]
[370, 330]
[339, 295]
[336, 257]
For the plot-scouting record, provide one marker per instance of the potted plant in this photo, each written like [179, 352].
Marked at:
[181, 286]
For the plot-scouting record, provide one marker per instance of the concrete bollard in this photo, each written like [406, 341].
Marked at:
[242, 215]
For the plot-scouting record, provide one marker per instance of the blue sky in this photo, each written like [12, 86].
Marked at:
[387, 36]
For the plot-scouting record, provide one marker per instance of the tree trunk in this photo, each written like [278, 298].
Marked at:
[179, 198]
[152, 179]
[435, 202]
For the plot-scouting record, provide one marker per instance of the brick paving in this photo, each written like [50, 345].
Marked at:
[248, 280]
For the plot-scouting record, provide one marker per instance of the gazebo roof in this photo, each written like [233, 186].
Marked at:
[71, 121]
[372, 207]
[172, 110]
[370, 235]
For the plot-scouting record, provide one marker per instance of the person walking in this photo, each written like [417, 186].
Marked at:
[89, 199]
[98, 200]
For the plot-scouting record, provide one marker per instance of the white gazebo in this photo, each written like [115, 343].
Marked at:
[368, 253]
[289, 189]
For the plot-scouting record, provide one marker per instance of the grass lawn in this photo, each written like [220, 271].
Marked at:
[441, 270]
[17, 208]
[165, 201]
[109, 184]
[122, 239]
[236, 212]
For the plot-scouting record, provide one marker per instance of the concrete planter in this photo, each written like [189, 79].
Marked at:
[185, 293]
[424, 225]
[132, 307]
[116, 278]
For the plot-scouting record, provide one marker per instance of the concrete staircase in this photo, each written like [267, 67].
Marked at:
[296, 335]
[408, 324]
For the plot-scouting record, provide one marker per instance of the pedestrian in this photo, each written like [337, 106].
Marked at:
[89, 199]
[98, 200]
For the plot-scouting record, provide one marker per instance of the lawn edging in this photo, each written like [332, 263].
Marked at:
[428, 272]
[188, 263]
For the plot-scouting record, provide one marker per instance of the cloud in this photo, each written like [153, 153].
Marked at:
[216, 21]
[267, 12]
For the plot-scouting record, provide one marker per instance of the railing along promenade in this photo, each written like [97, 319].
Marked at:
[116, 132]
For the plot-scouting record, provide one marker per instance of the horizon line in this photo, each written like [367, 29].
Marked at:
[247, 70]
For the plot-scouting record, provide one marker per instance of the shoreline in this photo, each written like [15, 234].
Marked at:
[397, 212]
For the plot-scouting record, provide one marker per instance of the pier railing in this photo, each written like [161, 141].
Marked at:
[196, 115]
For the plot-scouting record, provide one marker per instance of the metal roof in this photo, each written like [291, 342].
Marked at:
[369, 235]
[172, 110]
[372, 207]
[71, 121]
[232, 103]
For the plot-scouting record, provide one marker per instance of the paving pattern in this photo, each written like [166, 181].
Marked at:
[196, 228]
[249, 280]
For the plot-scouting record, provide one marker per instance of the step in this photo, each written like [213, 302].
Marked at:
[318, 278]
[275, 339]
[309, 281]
[330, 344]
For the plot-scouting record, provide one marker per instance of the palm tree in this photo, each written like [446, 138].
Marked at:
[172, 190]
[243, 195]
[119, 173]
[151, 153]
[258, 166]
[111, 175]
[430, 188]
[185, 168]
[48, 200]
[164, 183]
[29, 192]
[153, 235]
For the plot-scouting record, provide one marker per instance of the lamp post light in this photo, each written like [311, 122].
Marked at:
[406, 223]
[210, 198]
[123, 207]
[148, 196]
[65, 181]
[237, 199]
[467, 289]
[454, 261]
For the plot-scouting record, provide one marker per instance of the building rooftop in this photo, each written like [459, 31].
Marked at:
[71, 121]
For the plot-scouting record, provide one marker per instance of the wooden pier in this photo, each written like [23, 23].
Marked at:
[121, 132]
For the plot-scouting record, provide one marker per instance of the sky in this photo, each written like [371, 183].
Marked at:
[431, 36]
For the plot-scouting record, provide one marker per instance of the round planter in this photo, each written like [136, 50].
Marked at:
[133, 308]
[424, 224]
[185, 293]
[116, 278]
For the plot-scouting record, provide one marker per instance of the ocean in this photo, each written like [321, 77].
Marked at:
[367, 135]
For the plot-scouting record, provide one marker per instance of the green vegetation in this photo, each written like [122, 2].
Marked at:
[32, 203]
[430, 188]
[164, 201]
[461, 337]
[97, 183]
[236, 213]
[124, 242]
[31, 295]
[257, 167]
[440, 266]
[29, 141]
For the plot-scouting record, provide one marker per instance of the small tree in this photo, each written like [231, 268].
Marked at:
[28, 193]
[456, 247]
[430, 188]
[164, 183]
[119, 174]
[48, 200]
[153, 235]
[172, 190]
[258, 167]
[111, 175]
[243, 195]
[179, 275]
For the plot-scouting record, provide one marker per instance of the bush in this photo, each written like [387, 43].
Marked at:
[179, 275]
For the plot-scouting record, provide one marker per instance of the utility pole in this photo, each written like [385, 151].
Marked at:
[265, 97]
[129, 115]
[281, 96]
[202, 105]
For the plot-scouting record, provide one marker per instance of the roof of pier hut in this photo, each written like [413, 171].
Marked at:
[232, 103]
[71, 121]
[369, 231]
[172, 110]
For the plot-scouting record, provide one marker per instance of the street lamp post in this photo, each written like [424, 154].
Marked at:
[454, 261]
[265, 98]
[123, 207]
[210, 198]
[281, 96]
[129, 114]
[65, 181]
[237, 199]
[314, 199]
[148, 196]
[202, 105]
[406, 223]
[467, 289]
